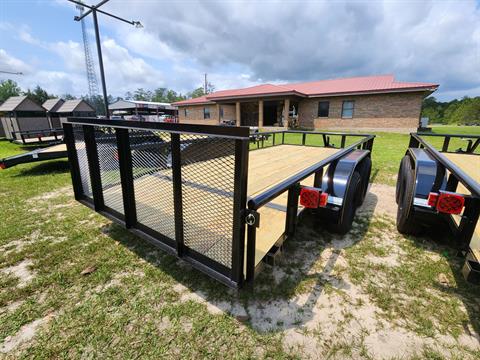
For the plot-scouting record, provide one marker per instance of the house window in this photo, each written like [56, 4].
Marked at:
[185, 112]
[323, 107]
[347, 109]
[206, 113]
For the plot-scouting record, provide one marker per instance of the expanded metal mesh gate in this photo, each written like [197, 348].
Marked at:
[182, 187]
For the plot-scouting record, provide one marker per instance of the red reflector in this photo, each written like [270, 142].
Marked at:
[309, 198]
[323, 199]
[432, 199]
[450, 203]
[2, 166]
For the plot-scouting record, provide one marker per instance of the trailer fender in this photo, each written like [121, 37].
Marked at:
[429, 175]
[337, 178]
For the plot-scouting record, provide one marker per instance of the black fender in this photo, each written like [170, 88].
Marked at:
[337, 178]
[430, 176]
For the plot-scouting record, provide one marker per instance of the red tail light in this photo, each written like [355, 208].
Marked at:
[323, 199]
[450, 203]
[432, 199]
[309, 198]
[2, 166]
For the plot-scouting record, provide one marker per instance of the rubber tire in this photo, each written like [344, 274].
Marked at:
[405, 162]
[406, 222]
[347, 213]
[364, 169]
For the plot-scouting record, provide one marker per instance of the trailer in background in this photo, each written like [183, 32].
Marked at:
[434, 186]
[200, 193]
[49, 153]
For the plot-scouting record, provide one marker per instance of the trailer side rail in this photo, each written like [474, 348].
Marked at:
[292, 185]
[40, 136]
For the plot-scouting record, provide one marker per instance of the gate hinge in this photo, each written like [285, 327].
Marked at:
[252, 218]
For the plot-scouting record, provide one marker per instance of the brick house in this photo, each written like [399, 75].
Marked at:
[362, 102]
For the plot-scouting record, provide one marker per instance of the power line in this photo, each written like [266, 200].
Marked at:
[11, 72]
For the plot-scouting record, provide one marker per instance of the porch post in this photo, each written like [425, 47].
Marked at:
[237, 113]
[218, 113]
[286, 112]
[260, 113]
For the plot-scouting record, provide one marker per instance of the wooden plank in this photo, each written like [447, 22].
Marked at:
[468, 163]
[60, 147]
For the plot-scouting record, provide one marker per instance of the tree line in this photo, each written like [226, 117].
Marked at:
[10, 88]
[461, 112]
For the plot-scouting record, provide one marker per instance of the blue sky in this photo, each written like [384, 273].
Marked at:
[241, 44]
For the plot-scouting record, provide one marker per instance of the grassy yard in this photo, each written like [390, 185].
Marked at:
[369, 294]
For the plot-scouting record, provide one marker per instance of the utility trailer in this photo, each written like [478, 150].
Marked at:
[434, 186]
[199, 193]
[46, 136]
[48, 153]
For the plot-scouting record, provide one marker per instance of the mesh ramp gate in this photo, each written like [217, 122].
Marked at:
[179, 186]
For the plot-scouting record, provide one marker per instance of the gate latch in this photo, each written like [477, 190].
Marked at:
[252, 218]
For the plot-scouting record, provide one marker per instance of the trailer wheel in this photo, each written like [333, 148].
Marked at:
[345, 219]
[364, 169]
[406, 223]
[404, 163]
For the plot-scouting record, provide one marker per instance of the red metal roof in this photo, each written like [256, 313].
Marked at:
[356, 85]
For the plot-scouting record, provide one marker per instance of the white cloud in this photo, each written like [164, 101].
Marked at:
[12, 64]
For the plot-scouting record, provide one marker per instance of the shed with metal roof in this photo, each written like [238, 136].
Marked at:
[19, 114]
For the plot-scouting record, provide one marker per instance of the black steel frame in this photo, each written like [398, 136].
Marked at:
[242, 215]
[292, 185]
[32, 156]
[39, 134]
[464, 231]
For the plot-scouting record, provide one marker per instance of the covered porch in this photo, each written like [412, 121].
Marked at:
[262, 113]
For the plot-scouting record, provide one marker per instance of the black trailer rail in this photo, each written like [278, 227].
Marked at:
[448, 172]
[37, 136]
[183, 187]
[48, 153]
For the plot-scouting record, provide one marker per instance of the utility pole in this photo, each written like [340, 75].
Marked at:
[205, 86]
[94, 9]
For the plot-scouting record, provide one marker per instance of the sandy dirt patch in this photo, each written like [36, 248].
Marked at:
[25, 334]
[22, 271]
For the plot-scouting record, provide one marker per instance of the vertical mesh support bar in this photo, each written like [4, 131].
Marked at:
[126, 174]
[107, 155]
[69, 139]
[239, 210]
[93, 165]
[208, 165]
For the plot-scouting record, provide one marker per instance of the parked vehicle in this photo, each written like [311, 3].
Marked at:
[434, 186]
[200, 193]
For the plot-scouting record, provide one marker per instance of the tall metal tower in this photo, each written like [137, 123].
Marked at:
[91, 75]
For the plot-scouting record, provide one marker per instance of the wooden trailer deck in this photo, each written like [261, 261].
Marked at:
[267, 167]
[470, 163]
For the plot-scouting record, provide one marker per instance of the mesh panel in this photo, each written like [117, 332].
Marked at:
[208, 165]
[151, 162]
[82, 160]
[109, 168]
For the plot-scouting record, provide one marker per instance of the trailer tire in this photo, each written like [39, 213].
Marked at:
[364, 169]
[406, 222]
[345, 218]
[404, 163]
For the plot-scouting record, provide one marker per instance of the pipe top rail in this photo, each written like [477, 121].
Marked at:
[466, 180]
[270, 194]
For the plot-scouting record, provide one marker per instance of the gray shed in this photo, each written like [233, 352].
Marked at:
[51, 106]
[77, 108]
[19, 113]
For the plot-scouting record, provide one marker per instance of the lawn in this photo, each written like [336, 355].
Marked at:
[72, 284]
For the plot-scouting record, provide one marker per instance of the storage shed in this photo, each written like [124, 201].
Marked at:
[77, 108]
[19, 113]
[51, 106]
